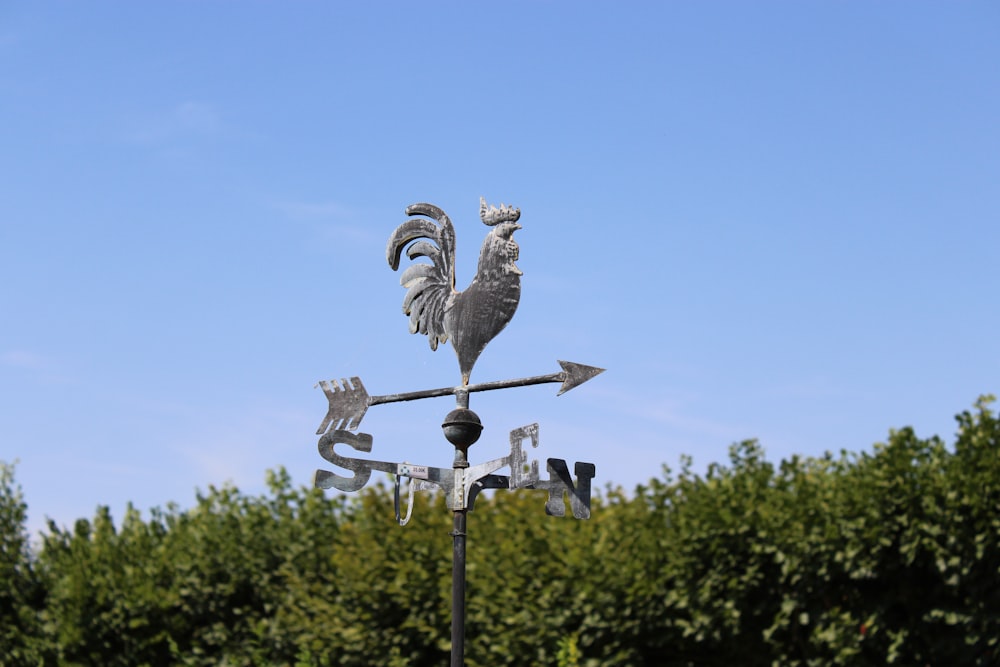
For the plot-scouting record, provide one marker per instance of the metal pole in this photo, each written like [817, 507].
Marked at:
[468, 436]
[458, 592]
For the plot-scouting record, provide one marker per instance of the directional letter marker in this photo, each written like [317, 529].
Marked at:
[469, 319]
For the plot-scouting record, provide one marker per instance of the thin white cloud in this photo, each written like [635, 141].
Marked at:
[196, 117]
[332, 222]
[24, 359]
[240, 454]
[314, 210]
[668, 412]
[182, 121]
[36, 368]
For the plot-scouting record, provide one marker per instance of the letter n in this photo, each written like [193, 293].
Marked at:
[560, 482]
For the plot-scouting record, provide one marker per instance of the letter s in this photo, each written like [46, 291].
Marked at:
[361, 442]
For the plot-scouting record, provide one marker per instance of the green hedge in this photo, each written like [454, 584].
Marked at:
[891, 556]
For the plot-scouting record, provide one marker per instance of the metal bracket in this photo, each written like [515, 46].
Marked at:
[409, 505]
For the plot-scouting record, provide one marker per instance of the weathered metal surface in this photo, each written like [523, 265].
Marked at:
[348, 403]
[401, 520]
[458, 535]
[462, 484]
[349, 400]
[470, 318]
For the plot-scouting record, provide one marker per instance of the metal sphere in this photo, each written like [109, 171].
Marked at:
[462, 427]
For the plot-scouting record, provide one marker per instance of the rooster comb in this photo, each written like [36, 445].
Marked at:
[491, 215]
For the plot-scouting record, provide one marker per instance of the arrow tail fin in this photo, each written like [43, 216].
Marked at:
[348, 400]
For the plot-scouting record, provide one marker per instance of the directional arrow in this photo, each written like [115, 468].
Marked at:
[349, 400]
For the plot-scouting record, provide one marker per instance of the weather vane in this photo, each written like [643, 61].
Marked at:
[470, 319]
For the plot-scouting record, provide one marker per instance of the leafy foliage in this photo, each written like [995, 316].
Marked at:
[19, 587]
[889, 556]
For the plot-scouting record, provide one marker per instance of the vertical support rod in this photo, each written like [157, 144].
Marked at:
[458, 592]
[458, 555]
[458, 547]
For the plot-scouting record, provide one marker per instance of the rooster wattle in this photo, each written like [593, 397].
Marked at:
[470, 318]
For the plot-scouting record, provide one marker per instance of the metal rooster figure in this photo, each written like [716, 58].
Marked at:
[470, 318]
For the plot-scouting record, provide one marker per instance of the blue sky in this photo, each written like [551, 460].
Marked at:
[766, 220]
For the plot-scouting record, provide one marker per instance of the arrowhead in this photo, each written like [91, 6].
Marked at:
[576, 374]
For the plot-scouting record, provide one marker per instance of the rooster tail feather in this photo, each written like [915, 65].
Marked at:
[426, 317]
[418, 273]
[424, 249]
[428, 285]
[406, 232]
